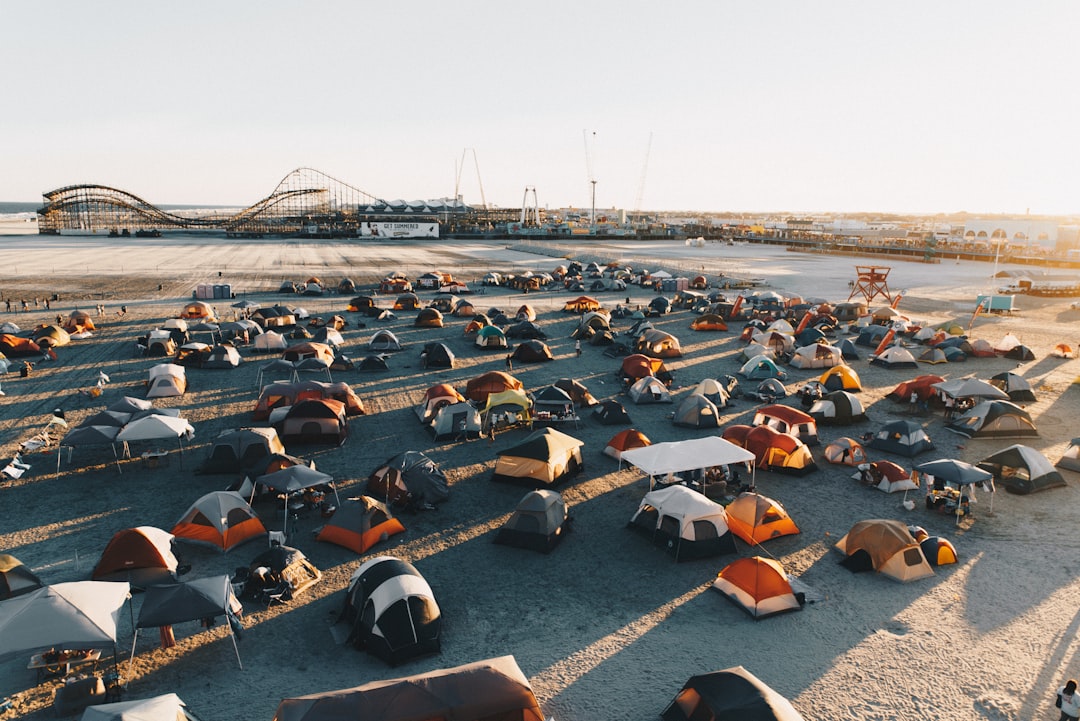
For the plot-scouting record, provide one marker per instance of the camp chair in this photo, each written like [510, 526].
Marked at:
[278, 594]
[15, 468]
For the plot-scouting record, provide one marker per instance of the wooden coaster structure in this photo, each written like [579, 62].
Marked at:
[873, 281]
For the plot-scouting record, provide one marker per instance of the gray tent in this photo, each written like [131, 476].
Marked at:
[174, 603]
[1022, 469]
[81, 614]
[538, 523]
[167, 707]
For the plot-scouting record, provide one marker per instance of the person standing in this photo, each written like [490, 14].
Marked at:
[950, 404]
[1068, 701]
[577, 348]
[510, 363]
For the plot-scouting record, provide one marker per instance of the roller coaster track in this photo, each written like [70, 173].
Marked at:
[304, 196]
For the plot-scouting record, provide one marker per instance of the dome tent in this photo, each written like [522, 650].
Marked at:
[1022, 469]
[544, 458]
[755, 518]
[684, 522]
[538, 523]
[360, 524]
[885, 546]
[733, 694]
[757, 585]
[392, 611]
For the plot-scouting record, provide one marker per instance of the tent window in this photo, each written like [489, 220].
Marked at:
[704, 530]
[913, 556]
[669, 526]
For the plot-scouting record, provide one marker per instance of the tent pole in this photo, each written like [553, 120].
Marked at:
[131, 661]
[236, 649]
[116, 459]
[58, 449]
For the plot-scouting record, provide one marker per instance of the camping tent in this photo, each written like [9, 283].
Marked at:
[537, 523]
[437, 355]
[885, 546]
[715, 391]
[532, 351]
[543, 458]
[757, 585]
[577, 391]
[902, 437]
[459, 421]
[638, 366]
[787, 420]
[684, 522]
[156, 427]
[490, 337]
[1070, 459]
[269, 342]
[1022, 469]
[204, 598]
[658, 344]
[776, 451]
[696, 411]
[435, 397]
[1015, 386]
[923, 385]
[16, 578]
[886, 476]
[845, 451]
[491, 689]
[359, 524]
[166, 380]
[392, 611]
[166, 707]
[238, 450]
[611, 413]
[280, 395]
[625, 440]
[409, 479]
[994, 419]
[841, 378]
[649, 389]
[222, 519]
[817, 355]
[733, 694]
[760, 368]
[755, 518]
[314, 421]
[837, 408]
[141, 556]
[383, 341]
[479, 388]
[76, 615]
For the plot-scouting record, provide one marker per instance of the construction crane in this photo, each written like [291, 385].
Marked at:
[589, 174]
[641, 183]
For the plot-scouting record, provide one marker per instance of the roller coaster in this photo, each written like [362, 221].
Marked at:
[305, 202]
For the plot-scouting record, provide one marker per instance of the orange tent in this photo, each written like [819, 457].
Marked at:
[778, 451]
[478, 389]
[222, 519]
[920, 384]
[277, 395]
[309, 349]
[196, 309]
[626, 440]
[755, 518]
[359, 525]
[709, 321]
[141, 556]
[582, 304]
[79, 322]
[13, 346]
[639, 366]
[757, 585]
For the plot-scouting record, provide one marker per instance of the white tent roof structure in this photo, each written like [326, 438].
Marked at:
[675, 456]
[80, 614]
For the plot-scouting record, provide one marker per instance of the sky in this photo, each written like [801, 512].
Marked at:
[771, 106]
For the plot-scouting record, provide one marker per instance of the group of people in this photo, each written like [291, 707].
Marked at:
[26, 304]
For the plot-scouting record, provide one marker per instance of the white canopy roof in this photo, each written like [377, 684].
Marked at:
[663, 458]
[153, 427]
[80, 614]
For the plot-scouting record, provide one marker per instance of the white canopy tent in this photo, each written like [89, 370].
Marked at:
[157, 427]
[670, 459]
[80, 614]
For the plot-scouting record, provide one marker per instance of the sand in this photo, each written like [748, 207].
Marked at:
[607, 626]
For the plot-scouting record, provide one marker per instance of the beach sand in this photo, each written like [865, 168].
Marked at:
[607, 626]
